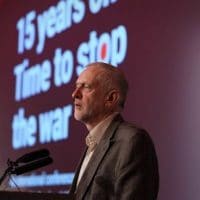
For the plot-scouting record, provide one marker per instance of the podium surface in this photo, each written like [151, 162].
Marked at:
[5, 195]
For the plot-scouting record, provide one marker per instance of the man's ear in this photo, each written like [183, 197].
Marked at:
[112, 98]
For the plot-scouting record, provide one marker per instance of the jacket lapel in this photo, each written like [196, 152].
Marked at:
[97, 157]
[73, 186]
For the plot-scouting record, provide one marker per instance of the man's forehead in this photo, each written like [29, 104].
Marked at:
[91, 79]
[89, 74]
[85, 78]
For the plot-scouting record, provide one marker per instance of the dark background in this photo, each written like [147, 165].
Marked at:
[161, 64]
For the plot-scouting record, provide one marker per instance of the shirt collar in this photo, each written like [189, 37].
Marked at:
[98, 131]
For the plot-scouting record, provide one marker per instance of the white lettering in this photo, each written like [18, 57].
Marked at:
[54, 125]
[23, 130]
[108, 47]
[57, 19]
[18, 72]
[26, 32]
[119, 45]
[63, 67]
[96, 5]
[33, 80]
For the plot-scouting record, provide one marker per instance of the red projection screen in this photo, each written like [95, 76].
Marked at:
[44, 45]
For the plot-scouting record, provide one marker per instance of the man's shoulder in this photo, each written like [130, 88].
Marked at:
[123, 130]
[131, 129]
[128, 130]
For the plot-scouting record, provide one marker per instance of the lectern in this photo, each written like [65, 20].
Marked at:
[4, 195]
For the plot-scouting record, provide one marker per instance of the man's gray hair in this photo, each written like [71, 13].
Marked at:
[113, 78]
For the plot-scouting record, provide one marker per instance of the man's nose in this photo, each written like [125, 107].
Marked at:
[76, 93]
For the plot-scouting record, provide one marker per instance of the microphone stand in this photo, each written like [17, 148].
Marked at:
[4, 175]
[10, 167]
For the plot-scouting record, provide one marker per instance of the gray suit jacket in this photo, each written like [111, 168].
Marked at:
[123, 166]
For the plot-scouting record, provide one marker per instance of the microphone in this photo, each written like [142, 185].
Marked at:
[32, 160]
[33, 156]
[32, 165]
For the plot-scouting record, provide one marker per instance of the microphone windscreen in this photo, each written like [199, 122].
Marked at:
[32, 166]
[33, 156]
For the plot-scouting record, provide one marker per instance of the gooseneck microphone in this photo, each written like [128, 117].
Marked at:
[27, 163]
[32, 165]
[33, 156]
